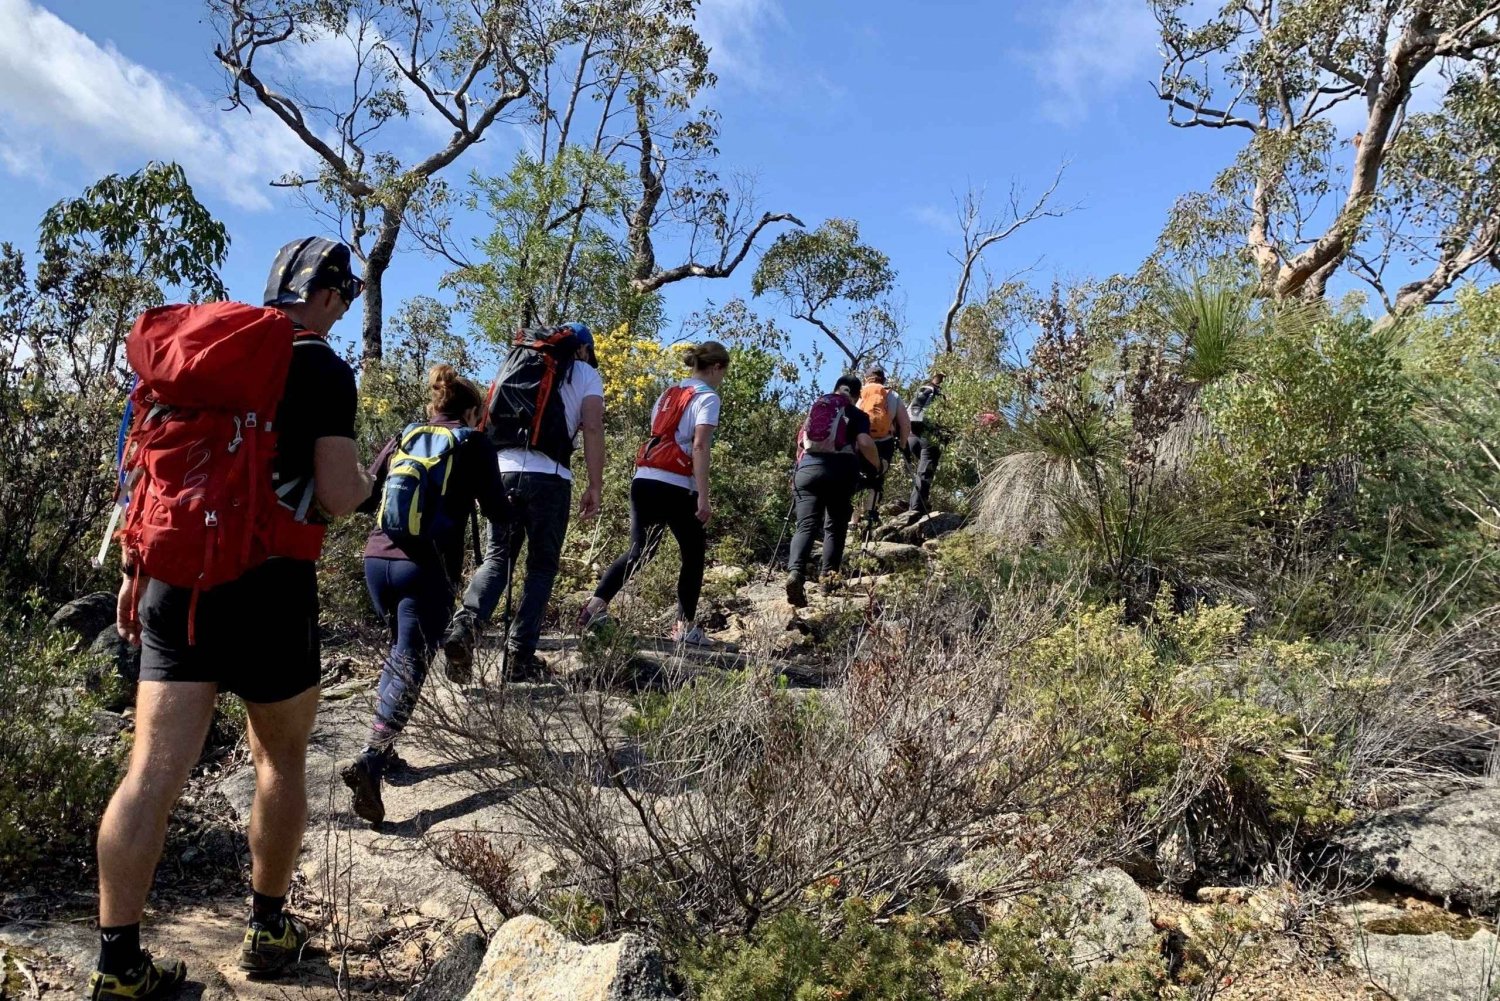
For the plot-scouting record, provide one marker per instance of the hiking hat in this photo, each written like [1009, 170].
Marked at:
[875, 374]
[308, 265]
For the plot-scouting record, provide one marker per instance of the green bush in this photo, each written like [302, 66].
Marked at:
[907, 958]
[56, 774]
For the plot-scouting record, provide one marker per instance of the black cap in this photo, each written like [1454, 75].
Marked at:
[849, 382]
[875, 374]
[307, 265]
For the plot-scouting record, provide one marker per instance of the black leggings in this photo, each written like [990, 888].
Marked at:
[654, 508]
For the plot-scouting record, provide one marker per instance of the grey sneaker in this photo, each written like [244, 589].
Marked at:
[690, 636]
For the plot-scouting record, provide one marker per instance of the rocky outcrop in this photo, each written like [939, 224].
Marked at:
[453, 976]
[86, 617]
[1109, 916]
[529, 960]
[1415, 951]
[1448, 849]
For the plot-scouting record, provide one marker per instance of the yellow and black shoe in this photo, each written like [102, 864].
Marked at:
[268, 950]
[146, 980]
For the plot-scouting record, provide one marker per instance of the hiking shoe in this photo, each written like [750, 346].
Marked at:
[526, 667]
[690, 636]
[796, 592]
[148, 980]
[590, 620]
[458, 647]
[267, 950]
[362, 776]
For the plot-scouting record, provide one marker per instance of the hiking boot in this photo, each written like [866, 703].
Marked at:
[526, 667]
[458, 646]
[831, 582]
[796, 592]
[690, 635]
[269, 950]
[362, 776]
[147, 980]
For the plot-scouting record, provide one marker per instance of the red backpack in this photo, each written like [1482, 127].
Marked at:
[199, 463]
[826, 430]
[661, 451]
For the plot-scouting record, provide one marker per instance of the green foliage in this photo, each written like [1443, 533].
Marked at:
[815, 274]
[908, 958]
[55, 774]
[1210, 324]
[148, 225]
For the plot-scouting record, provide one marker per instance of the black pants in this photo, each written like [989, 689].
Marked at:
[654, 508]
[926, 451]
[824, 499]
[540, 504]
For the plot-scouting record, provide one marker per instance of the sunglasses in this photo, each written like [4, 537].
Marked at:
[350, 288]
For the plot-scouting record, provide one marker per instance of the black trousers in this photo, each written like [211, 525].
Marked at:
[656, 507]
[824, 499]
[926, 451]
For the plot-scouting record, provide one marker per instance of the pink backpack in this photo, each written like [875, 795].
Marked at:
[826, 430]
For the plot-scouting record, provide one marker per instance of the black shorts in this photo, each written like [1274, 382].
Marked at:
[256, 636]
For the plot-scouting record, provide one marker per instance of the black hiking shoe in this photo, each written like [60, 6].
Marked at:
[458, 647]
[362, 776]
[147, 980]
[796, 592]
[526, 667]
[268, 950]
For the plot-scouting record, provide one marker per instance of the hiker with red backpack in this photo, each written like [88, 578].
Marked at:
[241, 450]
[427, 481]
[835, 453]
[546, 394]
[670, 491]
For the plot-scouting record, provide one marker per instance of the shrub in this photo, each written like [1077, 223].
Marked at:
[56, 774]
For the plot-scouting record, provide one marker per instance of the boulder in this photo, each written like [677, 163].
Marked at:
[926, 528]
[894, 556]
[1448, 848]
[86, 616]
[1109, 916]
[1434, 967]
[529, 960]
[453, 975]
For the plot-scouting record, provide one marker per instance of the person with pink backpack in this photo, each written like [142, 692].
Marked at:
[835, 452]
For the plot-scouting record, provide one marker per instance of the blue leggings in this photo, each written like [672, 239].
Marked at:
[415, 600]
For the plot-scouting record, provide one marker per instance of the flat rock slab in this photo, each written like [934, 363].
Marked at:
[1433, 967]
[1448, 849]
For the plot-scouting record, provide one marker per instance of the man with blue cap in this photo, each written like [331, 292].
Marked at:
[539, 483]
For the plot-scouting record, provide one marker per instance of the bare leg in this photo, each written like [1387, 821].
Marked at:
[172, 721]
[279, 733]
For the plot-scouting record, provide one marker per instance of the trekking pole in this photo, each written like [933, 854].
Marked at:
[785, 523]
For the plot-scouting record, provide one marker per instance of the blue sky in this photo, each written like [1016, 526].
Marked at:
[880, 111]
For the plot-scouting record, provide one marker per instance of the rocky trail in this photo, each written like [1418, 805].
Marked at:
[393, 915]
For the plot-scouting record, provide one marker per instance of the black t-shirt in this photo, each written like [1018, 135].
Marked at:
[320, 402]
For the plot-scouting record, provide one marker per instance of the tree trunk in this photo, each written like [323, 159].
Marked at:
[377, 261]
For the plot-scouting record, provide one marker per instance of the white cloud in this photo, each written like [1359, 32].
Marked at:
[64, 93]
[935, 217]
[1091, 50]
[735, 31]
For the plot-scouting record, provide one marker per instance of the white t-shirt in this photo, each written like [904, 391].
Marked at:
[582, 383]
[704, 410]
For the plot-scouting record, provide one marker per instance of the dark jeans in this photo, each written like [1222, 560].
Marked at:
[824, 495]
[540, 505]
[926, 451]
[415, 601]
[654, 508]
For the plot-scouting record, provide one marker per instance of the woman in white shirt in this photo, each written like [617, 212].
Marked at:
[670, 490]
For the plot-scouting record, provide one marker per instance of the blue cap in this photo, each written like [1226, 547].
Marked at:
[582, 332]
